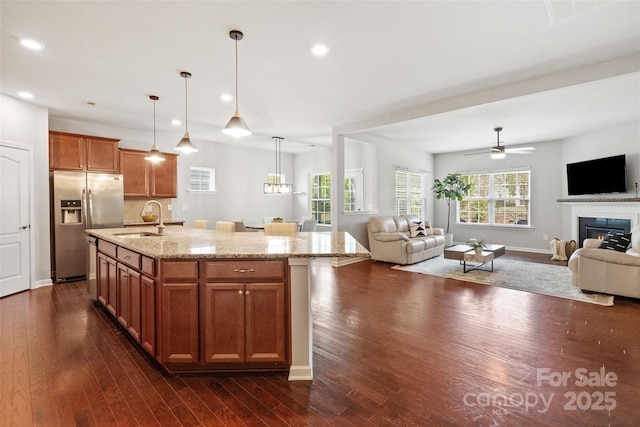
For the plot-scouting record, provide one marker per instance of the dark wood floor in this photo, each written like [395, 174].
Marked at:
[390, 348]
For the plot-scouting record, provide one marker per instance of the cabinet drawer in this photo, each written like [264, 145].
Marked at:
[107, 248]
[244, 270]
[148, 266]
[132, 259]
[179, 271]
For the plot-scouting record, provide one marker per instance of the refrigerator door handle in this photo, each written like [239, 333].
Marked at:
[89, 210]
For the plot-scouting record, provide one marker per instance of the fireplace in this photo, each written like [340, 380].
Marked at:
[627, 209]
[597, 228]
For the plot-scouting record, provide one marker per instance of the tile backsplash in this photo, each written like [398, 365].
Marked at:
[133, 207]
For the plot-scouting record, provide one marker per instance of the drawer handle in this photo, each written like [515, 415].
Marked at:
[127, 257]
[244, 270]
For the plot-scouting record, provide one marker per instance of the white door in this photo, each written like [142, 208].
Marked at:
[14, 220]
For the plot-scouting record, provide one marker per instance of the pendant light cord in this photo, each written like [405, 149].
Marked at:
[154, 122]
[186, 117]
[236, 73]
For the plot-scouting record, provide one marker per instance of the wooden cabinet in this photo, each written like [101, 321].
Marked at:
[126, 287]
[244, 322]
[68, 151]
[143, 179]
[179, 312]
[107, 278]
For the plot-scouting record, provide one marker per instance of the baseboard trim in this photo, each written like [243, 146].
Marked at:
[342, 261]
[42, 283]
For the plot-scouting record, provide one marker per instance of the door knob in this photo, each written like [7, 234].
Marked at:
[24, 227]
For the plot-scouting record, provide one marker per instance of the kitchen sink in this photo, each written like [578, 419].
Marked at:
[137, 234]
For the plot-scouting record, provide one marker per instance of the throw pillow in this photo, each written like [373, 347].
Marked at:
[420, 229]
[616, 242]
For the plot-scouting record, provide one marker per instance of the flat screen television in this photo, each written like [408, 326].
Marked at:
[597, 176]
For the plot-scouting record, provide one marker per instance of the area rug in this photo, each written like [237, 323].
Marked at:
[546, 279]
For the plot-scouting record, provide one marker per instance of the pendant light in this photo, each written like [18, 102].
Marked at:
[185, 145]
[276, 183]
[236, 126]
[154, 155]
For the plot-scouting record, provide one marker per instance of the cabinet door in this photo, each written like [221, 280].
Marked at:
[102, 154]
[135, 173]
[179, 319]
[112, 286]
[103, 279]
[265, 322]
[224, 322]
[148, 312]
[164, 177]
[122, 295]
[135, 304]
[66, 151]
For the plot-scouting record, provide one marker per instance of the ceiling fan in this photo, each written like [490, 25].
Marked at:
[500, 152]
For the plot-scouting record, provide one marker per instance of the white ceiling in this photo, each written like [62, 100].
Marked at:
[458, 63]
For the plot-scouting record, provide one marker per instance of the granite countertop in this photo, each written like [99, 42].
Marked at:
[187, 242]
[144, 223]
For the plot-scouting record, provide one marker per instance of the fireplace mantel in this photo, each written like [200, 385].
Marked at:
[609, 200]
[621, 208]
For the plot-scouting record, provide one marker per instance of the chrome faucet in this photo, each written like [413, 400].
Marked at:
[161, 224]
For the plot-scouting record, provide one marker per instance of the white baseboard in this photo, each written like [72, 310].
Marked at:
[342, 261]
[41, 284]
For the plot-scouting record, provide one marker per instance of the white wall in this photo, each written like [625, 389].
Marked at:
[26, 124]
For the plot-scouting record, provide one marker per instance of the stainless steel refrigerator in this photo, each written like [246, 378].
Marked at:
[81, 201]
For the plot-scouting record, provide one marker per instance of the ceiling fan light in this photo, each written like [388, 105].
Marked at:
[498, 155]
[236, 126]
[185, 145]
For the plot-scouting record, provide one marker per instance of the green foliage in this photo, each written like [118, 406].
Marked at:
[452, 187]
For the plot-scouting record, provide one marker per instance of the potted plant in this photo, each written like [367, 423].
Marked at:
[477, 245]
[277, 219]
[452, 187]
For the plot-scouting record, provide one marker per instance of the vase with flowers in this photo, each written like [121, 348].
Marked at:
[477, 245]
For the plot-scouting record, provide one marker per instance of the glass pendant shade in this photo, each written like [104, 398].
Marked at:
[185, 145]
[236, 126]
[154, 155]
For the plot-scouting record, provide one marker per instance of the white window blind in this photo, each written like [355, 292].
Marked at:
[410, 193]
[202, 179]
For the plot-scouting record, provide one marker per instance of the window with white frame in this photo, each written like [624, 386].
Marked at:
[410, 193]
[353, 190]
[321, 198]
[497, 198]
[202, 179]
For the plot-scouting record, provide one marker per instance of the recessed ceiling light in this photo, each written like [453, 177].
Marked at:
[32, 44]
[226, 97]
[176, 122]
[25, 95]
[319, 49]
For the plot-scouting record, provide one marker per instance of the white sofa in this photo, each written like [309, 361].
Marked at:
[390, 240]
[607, 271]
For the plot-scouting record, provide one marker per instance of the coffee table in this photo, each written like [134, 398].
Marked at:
[464, 254]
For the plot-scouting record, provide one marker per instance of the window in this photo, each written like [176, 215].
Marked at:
[353, 191]
[497, 198]
[202, 179]
[410, 193]
[321, 198]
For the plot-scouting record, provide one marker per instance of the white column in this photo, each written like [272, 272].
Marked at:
[301, 322]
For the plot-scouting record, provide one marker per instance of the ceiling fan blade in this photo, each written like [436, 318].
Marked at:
[476, 155]
[521, 150]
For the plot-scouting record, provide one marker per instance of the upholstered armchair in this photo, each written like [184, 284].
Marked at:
[607, 271]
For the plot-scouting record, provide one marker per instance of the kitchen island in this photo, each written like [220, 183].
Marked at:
[197, 300]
